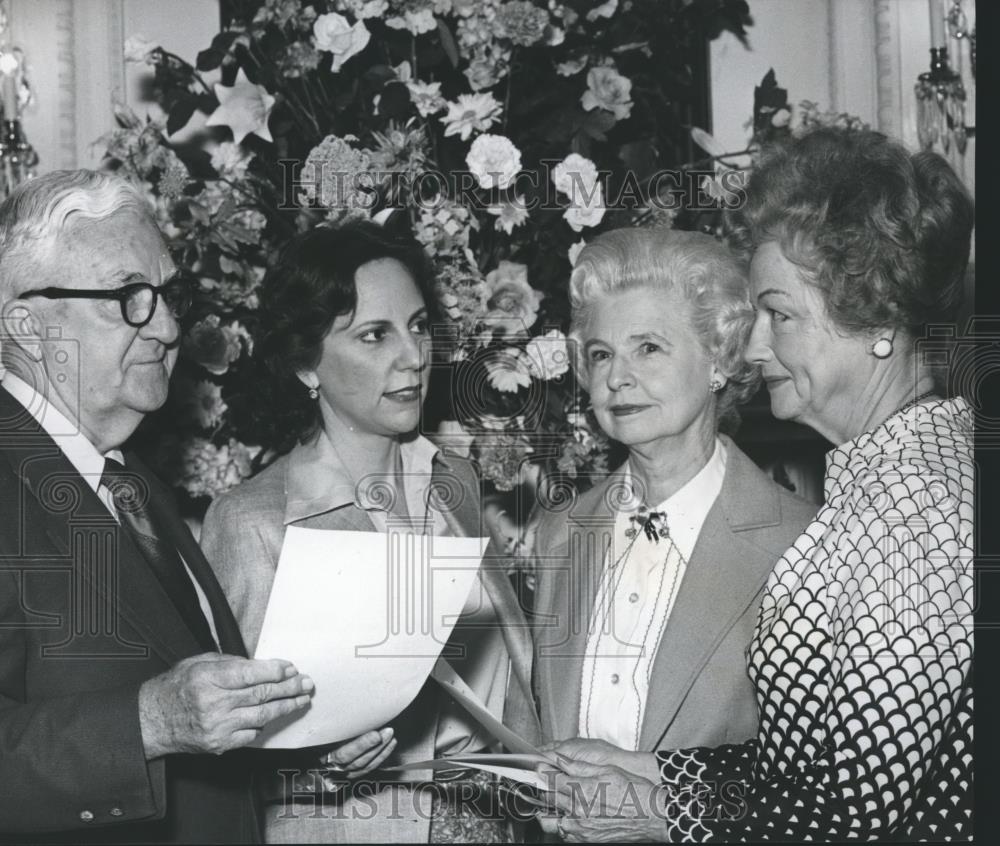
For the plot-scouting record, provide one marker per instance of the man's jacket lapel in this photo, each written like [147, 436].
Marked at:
[106, 567]
[178, 534]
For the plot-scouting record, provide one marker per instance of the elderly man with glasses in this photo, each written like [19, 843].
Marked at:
[123, 677]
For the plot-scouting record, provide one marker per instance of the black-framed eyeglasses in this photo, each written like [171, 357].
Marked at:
[137, 299]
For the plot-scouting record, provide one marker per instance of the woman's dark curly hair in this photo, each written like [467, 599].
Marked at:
[882, 233]
[313, 283]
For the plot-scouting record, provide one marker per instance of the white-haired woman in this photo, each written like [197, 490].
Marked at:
[649, 584]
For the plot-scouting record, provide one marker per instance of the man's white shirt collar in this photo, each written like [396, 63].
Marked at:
[75, 445]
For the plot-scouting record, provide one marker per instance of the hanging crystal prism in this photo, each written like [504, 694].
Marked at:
[941, 105]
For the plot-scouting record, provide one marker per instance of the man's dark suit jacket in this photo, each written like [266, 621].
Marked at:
[83, 623]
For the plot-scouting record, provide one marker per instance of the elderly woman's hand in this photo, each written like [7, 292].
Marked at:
[360, 755]
[603, 804]
[603, 753]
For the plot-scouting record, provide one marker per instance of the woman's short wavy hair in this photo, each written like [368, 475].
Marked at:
[710, 278]
[884, 234]
[313, 283]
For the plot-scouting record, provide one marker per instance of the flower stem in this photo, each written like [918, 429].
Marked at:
[506, 98]
[300, 109]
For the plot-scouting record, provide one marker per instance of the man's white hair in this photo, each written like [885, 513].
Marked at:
[38, 211]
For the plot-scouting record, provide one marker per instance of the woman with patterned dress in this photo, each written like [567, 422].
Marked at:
[861, 656]
[345, 342]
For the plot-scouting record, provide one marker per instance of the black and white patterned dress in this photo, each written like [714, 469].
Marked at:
[861, 658]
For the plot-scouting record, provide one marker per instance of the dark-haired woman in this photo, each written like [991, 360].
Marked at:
[862, 653]
[345, 318]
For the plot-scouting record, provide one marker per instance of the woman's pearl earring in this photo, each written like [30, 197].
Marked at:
[313, 393]
[715, 385]
[882, 348]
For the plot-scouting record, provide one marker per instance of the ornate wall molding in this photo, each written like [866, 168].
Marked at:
[76, 68]
[66, 84]
[97, 47]
[851, 35]
[887, 68]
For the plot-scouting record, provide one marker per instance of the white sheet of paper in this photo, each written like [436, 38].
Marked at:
[445, 675]
[365, 615]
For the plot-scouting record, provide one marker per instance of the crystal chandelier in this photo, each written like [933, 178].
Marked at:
[940, 92]
[18, 158]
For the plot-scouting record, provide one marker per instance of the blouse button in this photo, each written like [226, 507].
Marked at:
[87, 816]
[614, 678]
[633, 597]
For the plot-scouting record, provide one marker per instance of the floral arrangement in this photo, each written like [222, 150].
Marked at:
[505, 131]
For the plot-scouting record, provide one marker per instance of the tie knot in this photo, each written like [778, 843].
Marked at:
[128, 490]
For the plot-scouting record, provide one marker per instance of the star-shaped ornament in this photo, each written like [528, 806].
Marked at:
[244, 107]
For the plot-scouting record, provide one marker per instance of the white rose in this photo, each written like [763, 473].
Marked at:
[607, 89]
[549, 355]
[580, 216]
[575, 176]
[494, 160]
[331, 32]
[335, 35]
[589, 212]
[373, 9]
[605, 10]
[512, 304]
[481, 74]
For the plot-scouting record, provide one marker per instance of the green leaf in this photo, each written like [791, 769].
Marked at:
[639, 157]
[224, 40]
[209, 59]
[581, 144]
[181, 113]
[379, 74]
[597, 123]
[395, 101]
[345, 97]
[448, 43]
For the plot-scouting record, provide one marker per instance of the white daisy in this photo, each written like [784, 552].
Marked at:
[471, 113]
